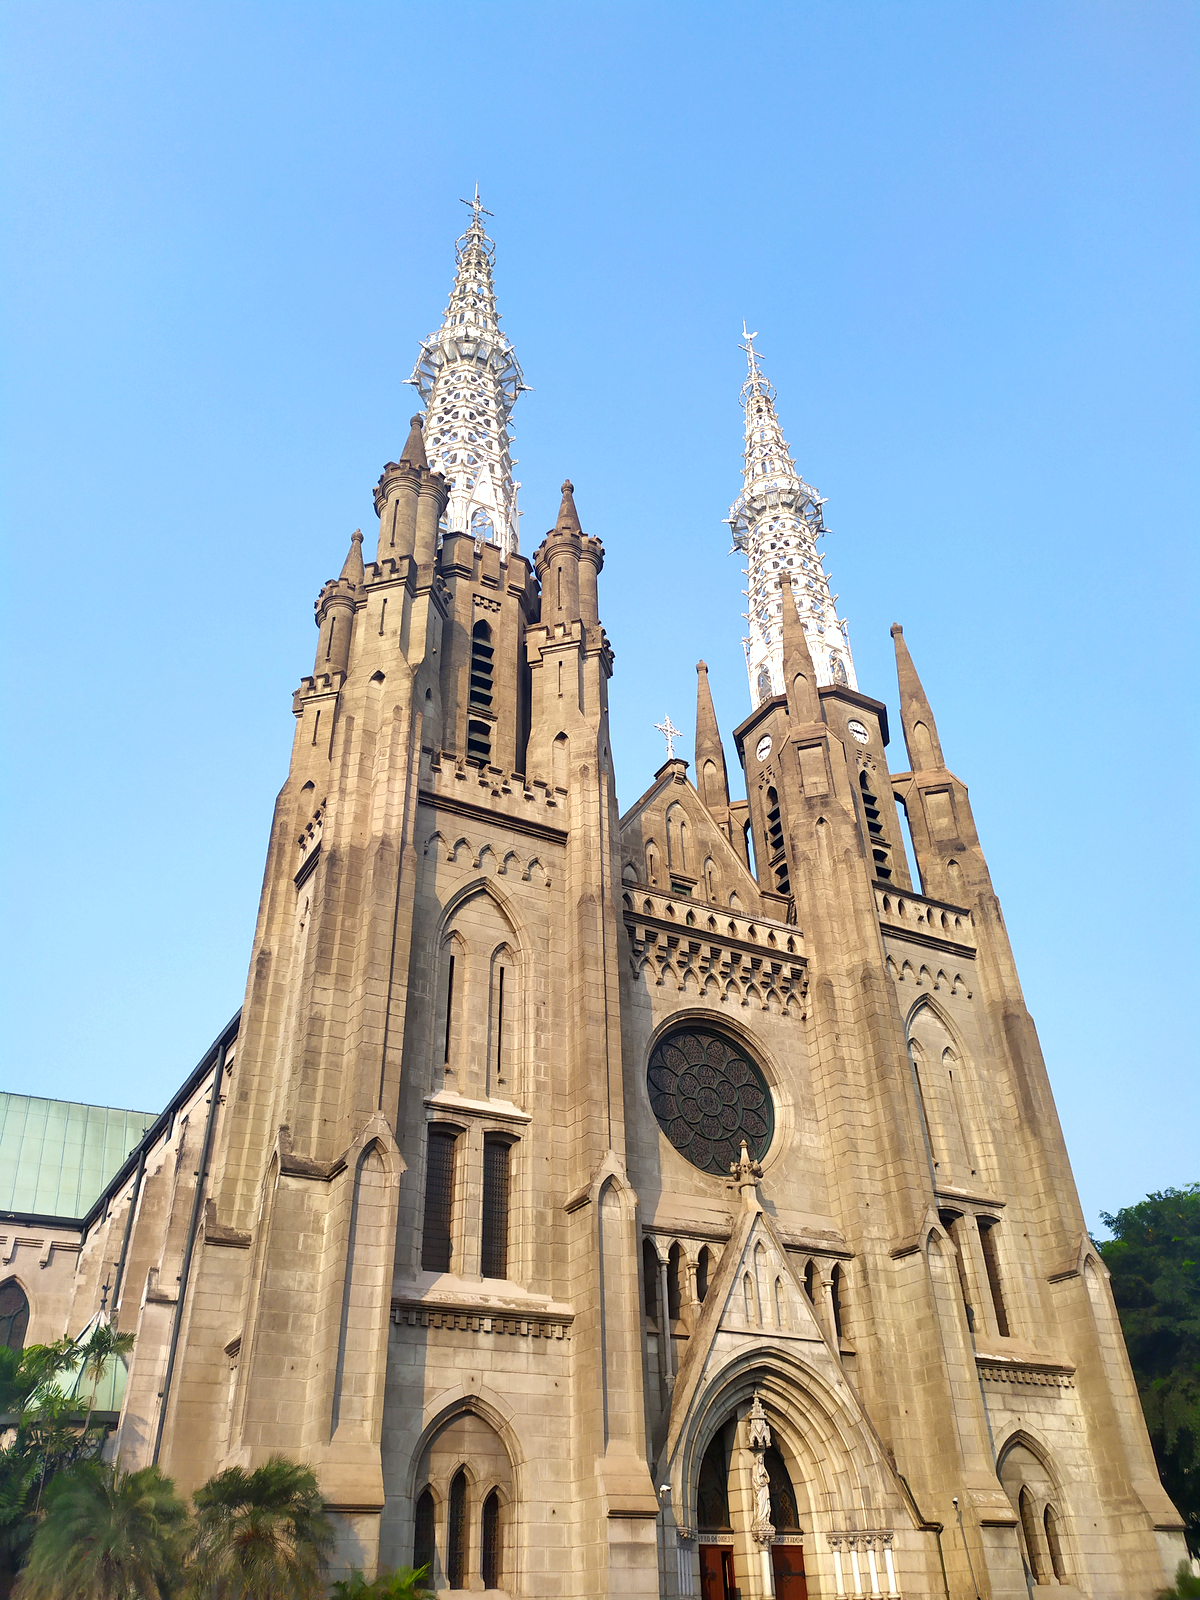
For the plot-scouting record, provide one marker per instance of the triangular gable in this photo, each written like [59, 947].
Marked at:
[751, 1313]
[646, 820]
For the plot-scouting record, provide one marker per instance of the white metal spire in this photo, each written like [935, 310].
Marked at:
[776, 522]
[469, 379]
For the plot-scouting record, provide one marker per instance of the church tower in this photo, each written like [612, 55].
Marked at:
[664, 1204]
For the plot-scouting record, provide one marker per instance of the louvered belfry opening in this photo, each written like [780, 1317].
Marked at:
[439, 1201]
[880, 849]
[775, 843]
[494, 1252]
[479, 698]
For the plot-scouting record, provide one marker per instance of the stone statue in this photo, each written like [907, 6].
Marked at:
[761, 1482]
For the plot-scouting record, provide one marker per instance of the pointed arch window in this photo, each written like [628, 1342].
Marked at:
[991, 1262]
[712, 1495]
[491, 1552]
[702, 1270]
[14, 1315]
[838, 1297]
[456, 1533]
[424, 1539]
[1054, 1543]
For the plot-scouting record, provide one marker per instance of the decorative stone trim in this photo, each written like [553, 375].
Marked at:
[464, 1321]
[1042, 1375]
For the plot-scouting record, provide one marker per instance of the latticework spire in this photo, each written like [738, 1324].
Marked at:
[776, 523]
[469, 379]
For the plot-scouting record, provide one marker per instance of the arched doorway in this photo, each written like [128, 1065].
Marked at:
[744, 1481]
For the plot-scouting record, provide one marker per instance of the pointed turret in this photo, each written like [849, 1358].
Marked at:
[776, 522]
[799, 674]
[469, 379]
[414, 447]
[568, 517]
[920, 730]
[352, 568]
[712, 779]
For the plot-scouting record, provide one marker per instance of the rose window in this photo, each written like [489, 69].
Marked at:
[708, 1096]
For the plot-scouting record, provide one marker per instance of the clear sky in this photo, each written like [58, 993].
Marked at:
[966, 235]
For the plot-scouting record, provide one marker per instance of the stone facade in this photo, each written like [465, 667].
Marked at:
[597, 1213]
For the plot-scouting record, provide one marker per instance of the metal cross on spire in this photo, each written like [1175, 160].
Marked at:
[748, 347]
[670, 733]
[478, 207]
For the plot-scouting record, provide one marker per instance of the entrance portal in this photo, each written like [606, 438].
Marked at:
[787, 1562]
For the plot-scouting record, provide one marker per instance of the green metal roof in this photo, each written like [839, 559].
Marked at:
[56, 1156]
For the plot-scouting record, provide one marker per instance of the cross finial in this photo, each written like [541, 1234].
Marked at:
[748, 347]
[477, 207]
[670, 733]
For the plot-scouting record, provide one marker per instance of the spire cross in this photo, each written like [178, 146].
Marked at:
[478, 208]
[748, 347]
[670, 733]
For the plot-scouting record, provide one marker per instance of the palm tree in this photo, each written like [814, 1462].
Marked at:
[261, 1535]
[104, 1344]
[107, 1535]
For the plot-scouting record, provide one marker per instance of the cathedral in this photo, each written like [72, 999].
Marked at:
[666, 1202]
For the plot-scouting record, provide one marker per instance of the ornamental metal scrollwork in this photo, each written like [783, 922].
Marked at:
[708, 1096]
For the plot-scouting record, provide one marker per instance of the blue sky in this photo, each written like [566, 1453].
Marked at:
[967, 237]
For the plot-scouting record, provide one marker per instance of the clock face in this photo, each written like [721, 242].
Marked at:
[763, 748]
[859, 732]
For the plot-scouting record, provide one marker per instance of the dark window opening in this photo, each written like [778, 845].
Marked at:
[810, 1282]
[991, 1261]
[479, 742]
[456, 1541]
[650, 1274]
[490, 1564]
[1033, 1553]
[494, 1255]
[439, 1201]
[838, 1299]
[449, 1008]
[712, 1495]
[14, 1315]
[951, 1221]
[674, 1286]
[880, 849]
[423, 1541]
[702, 1273]
[784, 1512]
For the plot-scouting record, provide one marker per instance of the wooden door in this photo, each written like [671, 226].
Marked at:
[787, 1560]
[712, 1572]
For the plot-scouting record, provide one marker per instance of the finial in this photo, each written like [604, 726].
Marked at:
[352, 568]
[751, 352]
[414, 445]
[670, 733]
[568, 517]
[896, 629]
[746, 1174]
[477, 207]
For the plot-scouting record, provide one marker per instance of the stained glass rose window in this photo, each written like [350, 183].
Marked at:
[708, 1096]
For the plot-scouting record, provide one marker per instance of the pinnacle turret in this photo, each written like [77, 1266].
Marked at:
[469, 379]
[352, 568]
[916, 715]
[568, 517]
[414, 445]
[712, 779]
[799, 674]
[776, 523]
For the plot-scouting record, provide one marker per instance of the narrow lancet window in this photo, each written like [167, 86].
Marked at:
[494, 1253]
[456, 1533]
[491, 1564]
[436, 1246]
[423, 1539]
[991, 1261]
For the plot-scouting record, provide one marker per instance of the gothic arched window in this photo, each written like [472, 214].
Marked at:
[712, 1495]
[708, 1096]
[456, 1533]
[423, 1541]
[14, 1315]
[491, 1558]
[436, 1243]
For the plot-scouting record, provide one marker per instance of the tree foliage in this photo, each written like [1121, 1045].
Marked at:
[107, 1535]
[261, 1535]
[406, 1583]
[1154, 1259]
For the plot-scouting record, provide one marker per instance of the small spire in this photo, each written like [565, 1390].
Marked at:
[568, 517]
[920, 730]
[711, 775]
[414, 448]
[352, 568]
[799, 674]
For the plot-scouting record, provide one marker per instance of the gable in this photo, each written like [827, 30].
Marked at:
[672, 842]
